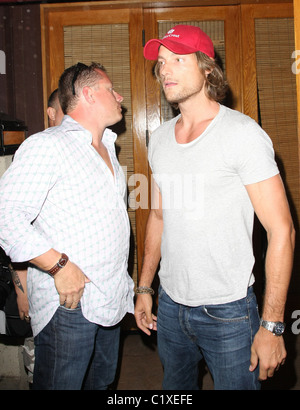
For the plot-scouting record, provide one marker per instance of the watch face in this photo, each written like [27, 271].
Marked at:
[279, 328]
[63, 261]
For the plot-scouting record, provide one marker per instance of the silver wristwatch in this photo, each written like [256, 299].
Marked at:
[277, 328]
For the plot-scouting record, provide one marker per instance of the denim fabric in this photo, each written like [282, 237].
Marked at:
[72, 353]
[221, 334]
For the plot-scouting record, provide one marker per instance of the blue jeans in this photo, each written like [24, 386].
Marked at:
[72, 353]
[221, 334]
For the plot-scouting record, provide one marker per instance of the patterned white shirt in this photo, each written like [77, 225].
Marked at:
[59, 193]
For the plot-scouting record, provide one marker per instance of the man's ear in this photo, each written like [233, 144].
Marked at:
[88, 94]
[51, 113]
[207, 72]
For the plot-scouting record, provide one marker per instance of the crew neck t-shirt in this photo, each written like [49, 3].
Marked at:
[206, 249]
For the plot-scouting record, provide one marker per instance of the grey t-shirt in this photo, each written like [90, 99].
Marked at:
[206, 249]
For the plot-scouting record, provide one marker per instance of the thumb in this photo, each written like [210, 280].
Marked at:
[149, 318]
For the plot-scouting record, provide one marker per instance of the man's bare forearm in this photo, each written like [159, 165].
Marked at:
[279, 263]
[152, 248]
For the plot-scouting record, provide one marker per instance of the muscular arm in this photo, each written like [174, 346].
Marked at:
[143, 308]
[271, 207]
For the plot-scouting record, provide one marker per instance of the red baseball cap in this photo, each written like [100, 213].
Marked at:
[181, 39]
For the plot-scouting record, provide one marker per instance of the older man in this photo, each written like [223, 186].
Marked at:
[62, 206]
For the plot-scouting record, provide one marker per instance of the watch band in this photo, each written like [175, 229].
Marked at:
[277, 328]
[59, 265]
[267, 325]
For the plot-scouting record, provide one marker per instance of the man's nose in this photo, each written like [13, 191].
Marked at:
[118, 97]
[165, 69]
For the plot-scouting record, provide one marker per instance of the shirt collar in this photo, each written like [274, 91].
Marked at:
[70, 124]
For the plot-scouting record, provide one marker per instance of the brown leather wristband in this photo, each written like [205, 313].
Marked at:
[59, 265]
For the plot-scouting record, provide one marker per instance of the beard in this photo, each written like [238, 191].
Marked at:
[180, 96]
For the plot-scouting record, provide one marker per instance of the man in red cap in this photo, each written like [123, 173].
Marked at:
[213, 169]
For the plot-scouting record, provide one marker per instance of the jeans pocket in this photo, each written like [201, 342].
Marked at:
[219, 315]
[228, 312]
[236, 311]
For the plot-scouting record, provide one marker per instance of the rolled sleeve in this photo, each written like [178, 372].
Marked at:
[23, 190]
